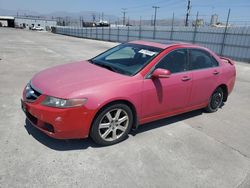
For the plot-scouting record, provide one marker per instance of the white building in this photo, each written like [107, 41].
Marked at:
[7, 21]
[214, 19]
[29, 22]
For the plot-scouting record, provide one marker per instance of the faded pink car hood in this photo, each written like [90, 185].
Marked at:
[64, 80]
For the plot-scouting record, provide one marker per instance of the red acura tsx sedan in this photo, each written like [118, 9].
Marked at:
[128, 85]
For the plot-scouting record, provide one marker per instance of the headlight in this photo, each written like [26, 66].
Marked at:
[63, 103]
[27, 87]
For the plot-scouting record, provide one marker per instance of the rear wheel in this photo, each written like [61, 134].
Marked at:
[215, 101]
[112, 124]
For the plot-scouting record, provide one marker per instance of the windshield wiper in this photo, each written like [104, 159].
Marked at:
[109, 67]
[105, 66]
[91, 61]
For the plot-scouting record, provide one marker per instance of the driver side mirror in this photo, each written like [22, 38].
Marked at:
[161, 73]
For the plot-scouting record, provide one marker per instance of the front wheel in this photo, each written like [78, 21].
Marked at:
[215, 100]
[112, 124]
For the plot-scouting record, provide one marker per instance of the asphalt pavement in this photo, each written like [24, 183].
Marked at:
[195, 149]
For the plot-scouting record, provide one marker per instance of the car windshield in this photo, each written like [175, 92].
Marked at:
[127, 58]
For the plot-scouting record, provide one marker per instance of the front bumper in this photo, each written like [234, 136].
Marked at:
[68, 123]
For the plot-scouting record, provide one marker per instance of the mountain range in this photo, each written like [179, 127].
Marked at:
[86, 15]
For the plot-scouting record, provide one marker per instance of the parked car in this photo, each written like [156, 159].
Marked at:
[37, 28]
[126, 86]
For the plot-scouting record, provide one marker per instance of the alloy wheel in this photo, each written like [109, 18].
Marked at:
[113, 124]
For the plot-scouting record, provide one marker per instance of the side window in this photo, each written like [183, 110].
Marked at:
[200, 59]
[175, 61]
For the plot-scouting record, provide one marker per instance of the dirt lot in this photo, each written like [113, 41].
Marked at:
[196, 149]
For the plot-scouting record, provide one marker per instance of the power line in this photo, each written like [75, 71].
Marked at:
[170, 5]
[244, 6]
[176, 4]
[149, 4]
[166, 3]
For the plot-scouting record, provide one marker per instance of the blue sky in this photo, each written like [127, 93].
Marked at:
[240, 9]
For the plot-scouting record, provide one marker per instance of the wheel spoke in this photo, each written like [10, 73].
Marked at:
[121, 120]
[114, 136]
[106, 133]
[108, 115]
[117, 115]
[123, 129]
[104, 125]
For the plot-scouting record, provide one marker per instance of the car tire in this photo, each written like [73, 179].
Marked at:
[215, 100]
[112, 124]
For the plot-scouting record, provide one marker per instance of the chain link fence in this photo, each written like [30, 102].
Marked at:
[233, 42]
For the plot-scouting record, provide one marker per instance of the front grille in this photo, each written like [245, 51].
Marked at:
[43, 125]
[32, 118]
[48, 127]
[31, 93]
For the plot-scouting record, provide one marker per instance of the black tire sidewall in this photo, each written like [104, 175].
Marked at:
[209, 107]
[94, 133]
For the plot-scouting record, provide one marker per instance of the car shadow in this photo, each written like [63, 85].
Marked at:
[166, 121]
[80, 144]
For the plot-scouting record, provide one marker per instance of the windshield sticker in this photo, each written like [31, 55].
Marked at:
[147, 52]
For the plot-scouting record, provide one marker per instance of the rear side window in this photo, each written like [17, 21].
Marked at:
[200, 59]
[175, 61]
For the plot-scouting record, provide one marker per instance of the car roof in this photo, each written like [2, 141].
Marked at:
[163, 44]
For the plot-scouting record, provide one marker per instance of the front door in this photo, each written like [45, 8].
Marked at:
[164, 96]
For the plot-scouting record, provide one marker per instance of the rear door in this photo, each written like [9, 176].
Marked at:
[205, 70]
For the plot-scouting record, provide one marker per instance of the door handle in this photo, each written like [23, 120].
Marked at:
[185, 78]
[216, 72]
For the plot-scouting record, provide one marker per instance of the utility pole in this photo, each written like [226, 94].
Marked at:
[140, 29]
[155, 7]
[93, 18]
[172, 28]
[124, 15]
[152, 20]
[188, 12]
[225, 33]
[102, 16]
[196, 25]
